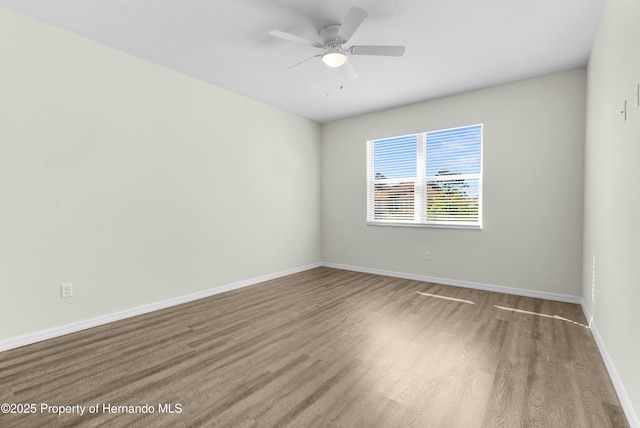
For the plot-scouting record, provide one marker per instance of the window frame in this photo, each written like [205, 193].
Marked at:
[420, 183]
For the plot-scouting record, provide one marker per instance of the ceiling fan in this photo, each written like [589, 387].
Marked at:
[333, 41]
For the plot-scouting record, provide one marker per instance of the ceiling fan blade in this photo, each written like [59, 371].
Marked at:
[377, 50]
[349, 71]
[293, 38]
[352, 21]
[289, 69]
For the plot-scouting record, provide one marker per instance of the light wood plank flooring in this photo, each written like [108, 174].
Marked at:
[325, 348]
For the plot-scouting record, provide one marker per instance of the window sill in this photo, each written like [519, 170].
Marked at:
[430, 225]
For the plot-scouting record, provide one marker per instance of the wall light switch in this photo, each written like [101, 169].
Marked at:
[637, 96]
[623, 112]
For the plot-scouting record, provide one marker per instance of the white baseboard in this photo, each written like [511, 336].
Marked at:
[632, 417]
[62, 330]
[466, 284]
[615, 379]
[613, 374]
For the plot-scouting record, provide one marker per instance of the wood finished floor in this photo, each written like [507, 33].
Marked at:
[326, 348]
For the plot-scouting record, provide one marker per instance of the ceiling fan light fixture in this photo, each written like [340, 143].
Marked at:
[334, 58]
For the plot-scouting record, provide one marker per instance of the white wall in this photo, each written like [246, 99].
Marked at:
[612, 201]
[533, 194]
[136, 183]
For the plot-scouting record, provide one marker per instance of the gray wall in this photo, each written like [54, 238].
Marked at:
[533, 194]
[612, 204]
[138, 184]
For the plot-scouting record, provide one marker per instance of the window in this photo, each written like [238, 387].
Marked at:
[427, 179]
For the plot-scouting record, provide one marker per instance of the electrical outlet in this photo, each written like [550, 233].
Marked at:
[66, 290]
[427, 256]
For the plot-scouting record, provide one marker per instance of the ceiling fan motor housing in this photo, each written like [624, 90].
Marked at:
[330, 39]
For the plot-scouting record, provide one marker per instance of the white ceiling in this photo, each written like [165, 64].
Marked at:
[452, 46]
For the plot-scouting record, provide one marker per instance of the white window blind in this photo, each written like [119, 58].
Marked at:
[432, 179]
